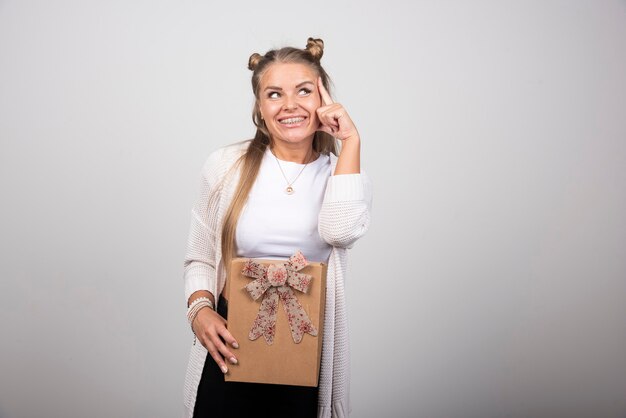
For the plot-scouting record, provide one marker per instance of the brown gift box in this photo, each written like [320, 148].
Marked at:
[283, 362]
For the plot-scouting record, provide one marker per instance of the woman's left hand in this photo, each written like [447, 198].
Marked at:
[334, 118]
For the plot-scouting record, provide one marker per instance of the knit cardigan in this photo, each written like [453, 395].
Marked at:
[344, 217]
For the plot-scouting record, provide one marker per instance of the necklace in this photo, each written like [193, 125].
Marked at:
[289, 189]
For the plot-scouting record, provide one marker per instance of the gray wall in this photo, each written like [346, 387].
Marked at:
[491, 283]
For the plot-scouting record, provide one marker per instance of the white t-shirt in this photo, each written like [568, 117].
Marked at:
[274, 224]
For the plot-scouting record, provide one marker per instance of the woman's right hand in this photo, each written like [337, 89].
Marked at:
[210, 330]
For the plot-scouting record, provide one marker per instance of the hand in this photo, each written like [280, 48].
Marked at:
[210, 329]
[334, 119]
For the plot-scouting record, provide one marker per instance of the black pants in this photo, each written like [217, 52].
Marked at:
[219, 399]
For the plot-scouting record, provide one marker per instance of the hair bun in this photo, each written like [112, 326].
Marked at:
[315, 47]
[253, 61]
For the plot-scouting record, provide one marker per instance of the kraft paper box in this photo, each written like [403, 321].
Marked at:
[283, 361]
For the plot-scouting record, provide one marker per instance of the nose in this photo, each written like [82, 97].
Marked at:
[290, 103]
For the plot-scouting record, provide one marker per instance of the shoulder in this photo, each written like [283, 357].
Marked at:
[219, 162]
[227, 154]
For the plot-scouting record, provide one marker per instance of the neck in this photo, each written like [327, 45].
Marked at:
[298, 153]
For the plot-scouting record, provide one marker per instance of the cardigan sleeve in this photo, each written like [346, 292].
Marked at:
[345, 213]
[200, 263]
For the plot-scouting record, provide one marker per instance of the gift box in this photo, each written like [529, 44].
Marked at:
[276, 314]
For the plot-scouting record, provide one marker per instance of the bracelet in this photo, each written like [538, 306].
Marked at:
[200, 299]
[193, 312]
[195, 306]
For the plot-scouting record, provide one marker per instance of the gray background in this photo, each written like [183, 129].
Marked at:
[491, 283]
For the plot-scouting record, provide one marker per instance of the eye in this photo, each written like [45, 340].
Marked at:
[304, 91]
[273, 95]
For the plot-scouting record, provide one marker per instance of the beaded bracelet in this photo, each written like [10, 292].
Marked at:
[194, 308]
[200, 299]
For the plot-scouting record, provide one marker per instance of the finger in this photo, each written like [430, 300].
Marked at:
[218, 358]
[211, 340]
[324, 128]
[225, 353]
[326, 124]
[223, 350]
[328, 115]
[331, 124]
[326, 99]
[329, 129]
[227, 336]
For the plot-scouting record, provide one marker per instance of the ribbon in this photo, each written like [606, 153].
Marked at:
[275, 282]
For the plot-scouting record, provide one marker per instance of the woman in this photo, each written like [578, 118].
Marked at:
[284, 190]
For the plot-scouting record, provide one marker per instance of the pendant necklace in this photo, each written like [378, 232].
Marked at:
[289, 189]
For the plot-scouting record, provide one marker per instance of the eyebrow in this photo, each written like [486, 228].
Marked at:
[298, 86]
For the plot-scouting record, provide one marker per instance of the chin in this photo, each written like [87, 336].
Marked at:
[295, 138]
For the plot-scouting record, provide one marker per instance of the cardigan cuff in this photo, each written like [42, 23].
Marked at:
[195, 283]
[344, 187]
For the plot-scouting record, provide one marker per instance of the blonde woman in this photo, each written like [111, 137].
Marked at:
[288, 188]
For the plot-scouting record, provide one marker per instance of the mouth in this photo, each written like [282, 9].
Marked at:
[292, 120]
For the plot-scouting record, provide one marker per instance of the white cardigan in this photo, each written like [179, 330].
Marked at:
[344, 218]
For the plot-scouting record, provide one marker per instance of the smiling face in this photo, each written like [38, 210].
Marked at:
[288, 100]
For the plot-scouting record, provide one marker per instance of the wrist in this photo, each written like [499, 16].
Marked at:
[353, 140]
[196, 306]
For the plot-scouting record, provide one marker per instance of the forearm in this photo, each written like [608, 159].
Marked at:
[349, 161]
[345, 213]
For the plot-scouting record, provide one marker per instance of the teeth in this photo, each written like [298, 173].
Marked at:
[292, 120]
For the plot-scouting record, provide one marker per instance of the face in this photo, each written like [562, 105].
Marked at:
[288, 99]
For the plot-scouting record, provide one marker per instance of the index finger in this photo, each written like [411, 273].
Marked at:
[326, 99]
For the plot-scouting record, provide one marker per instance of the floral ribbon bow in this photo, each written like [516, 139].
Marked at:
[275, 282]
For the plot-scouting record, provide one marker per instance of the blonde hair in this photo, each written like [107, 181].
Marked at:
[250, 161]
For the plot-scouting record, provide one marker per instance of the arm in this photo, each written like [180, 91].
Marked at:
[349, 161]
[200, 266]
[334, 119]
[345, 213]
